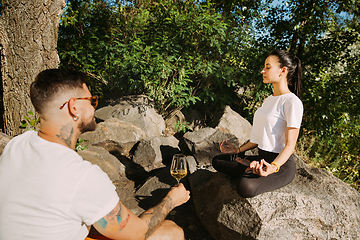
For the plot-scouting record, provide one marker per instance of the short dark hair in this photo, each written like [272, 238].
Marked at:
[51, 82]
[286, 59]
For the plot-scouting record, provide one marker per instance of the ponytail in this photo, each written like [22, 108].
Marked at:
[293, 65]
[295, 81]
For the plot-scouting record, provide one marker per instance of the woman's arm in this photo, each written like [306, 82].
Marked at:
[247, 146]
[291, 137]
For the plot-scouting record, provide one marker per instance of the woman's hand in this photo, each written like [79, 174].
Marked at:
[226, 147]
[262, 168]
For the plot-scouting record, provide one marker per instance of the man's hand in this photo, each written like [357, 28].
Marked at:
[179, 195]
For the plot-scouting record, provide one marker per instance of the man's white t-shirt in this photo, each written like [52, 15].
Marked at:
[47, 191]
[271, 120]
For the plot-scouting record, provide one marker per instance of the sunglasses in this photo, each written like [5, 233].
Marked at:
[93, 101]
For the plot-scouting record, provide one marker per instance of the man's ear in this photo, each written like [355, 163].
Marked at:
[72, 107]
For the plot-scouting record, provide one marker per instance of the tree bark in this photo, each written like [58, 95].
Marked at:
[28, 41]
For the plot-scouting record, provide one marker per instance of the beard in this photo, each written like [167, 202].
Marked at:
[87, 127]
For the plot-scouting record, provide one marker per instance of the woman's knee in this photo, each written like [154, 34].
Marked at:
[245, 189]
[215, 162]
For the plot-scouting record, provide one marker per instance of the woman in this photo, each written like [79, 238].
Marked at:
[275, 131]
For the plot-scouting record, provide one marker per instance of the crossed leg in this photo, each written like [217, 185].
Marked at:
[168, 230]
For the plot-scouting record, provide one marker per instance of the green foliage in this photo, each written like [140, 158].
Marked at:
[2, 6]
[30, 121]
[79, 145]
[331, 97]
[179, 126]
[176, 52]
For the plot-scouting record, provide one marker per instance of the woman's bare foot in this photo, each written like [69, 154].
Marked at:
[248, 169]
[243, 161]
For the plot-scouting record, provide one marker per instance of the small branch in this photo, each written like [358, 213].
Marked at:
[99, 78]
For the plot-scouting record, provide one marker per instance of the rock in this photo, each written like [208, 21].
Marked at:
[107, 162]
[156, 152]
[125, 188]
[137, 110]
[232, 122]
[4, 139]
[155, 188]
[191, 163]
[114, 135]
[316, 205]
[204, 143]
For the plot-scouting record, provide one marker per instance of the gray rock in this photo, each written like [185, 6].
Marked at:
[114, 135]
[191, 162]
[316, 205]
[155, 188]
[232, 122]
[156, 152]
[125, 189]
[107, 162]
[204, 143]
[136, 110]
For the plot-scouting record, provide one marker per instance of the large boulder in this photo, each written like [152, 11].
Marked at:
[204, 143]
[107, 162]
[232, 122]
[137, 110]
[316, 205]
[114, 135]
[156, 152]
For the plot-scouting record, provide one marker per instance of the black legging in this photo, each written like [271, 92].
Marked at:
[251, 184]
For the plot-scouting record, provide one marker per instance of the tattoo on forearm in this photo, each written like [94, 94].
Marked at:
[66, 133]
[157, 215]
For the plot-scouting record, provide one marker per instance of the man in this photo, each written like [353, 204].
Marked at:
[47, 191]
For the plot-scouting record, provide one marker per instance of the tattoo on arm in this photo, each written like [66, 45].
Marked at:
[114, 220]
[157, 215]
[66, 133]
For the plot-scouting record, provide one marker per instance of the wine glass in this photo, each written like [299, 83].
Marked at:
[178, 167]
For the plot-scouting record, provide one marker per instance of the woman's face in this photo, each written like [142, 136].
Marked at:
[272, 72]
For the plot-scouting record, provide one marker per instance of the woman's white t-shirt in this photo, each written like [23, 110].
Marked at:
[271, 120]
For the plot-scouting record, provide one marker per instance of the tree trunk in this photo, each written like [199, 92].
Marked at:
[28, 41]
